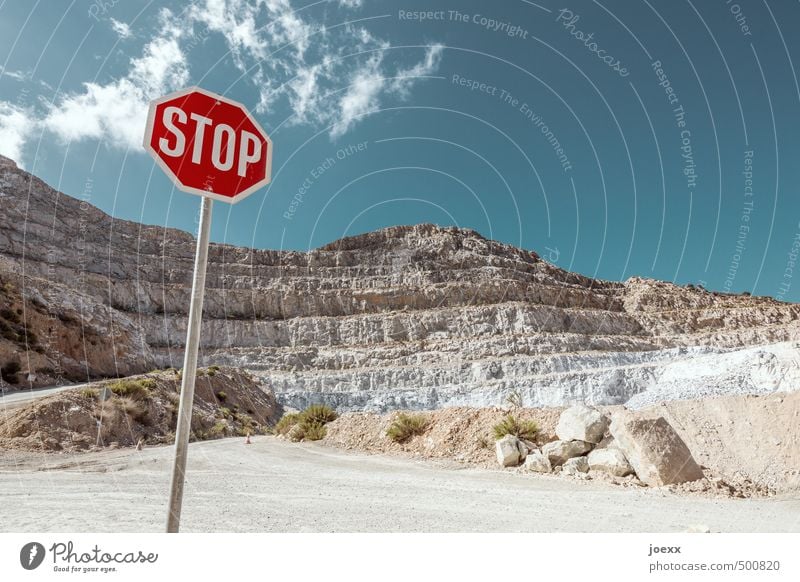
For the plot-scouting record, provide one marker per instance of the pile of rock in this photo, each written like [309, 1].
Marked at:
[589, 441]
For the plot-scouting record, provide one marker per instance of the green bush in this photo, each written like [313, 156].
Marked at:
[406, 426]
[222, 396]
[286, 423]
[524, 429]
[89, 392]
[307, 431]
[308, 425]
[319, 414]
[312, 431]
[136, 389]
[219, 429]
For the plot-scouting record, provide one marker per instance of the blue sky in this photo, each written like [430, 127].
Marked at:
[654, 138]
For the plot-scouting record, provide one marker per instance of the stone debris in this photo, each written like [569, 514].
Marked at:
[537, 462]
[575, 465]
[609, 460]
[558, 452]
[656, 452]
[733, 467]
[582, 423]
[510, 451]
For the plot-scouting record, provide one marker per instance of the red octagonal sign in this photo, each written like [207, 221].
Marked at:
[208, 144]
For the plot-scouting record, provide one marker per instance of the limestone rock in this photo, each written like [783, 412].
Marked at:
[407, 317]
[537, 462]
[575, 465]
[610, 460]
[656, 452]
[582, 423]
[558, 452]
[510, 451]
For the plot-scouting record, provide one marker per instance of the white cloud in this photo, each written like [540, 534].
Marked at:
[117, 111]
[368, 84]
[406, 77]
[16, 75]
[304, 88]
[309, 64]
[16, 125]
[361, 96]
[121, 28]
[327, 75]
[233, 19]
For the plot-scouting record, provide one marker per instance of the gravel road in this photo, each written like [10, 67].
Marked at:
[9, 400]
[277, 486]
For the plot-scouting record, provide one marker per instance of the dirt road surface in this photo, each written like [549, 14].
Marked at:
[276, 486]
[11, 400]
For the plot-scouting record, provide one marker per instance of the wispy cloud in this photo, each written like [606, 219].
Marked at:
[368, 85]
[116, 112]
[329, 74]
[15, 126]
[121, 28]
[16, 75]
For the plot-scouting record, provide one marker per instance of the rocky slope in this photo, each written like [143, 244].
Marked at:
[141, 409]
[406, 317]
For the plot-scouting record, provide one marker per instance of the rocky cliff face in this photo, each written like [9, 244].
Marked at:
[410, 316]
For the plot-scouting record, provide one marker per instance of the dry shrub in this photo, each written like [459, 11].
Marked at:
[286, 423]
[136, 389]
[135, 409]
[307, 431]
[308, 425]
[524, 429]
[406, 426]
[319, 414]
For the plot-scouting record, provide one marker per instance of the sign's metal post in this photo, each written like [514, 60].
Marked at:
[229, 164]
[189, 369]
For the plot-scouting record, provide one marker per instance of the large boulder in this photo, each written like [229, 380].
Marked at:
[656, 452]
[610, 460]
[559, 451]
[510, 451]
[582, 423]
[537, 462]
[575, 465]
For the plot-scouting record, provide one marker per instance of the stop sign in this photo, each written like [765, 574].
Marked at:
[208, 145]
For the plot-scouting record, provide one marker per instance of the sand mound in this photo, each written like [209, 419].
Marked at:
[460, 433]
[227, 402]
[747, 445]
[745, 439]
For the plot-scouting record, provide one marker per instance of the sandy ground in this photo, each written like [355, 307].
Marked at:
[278, 486]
